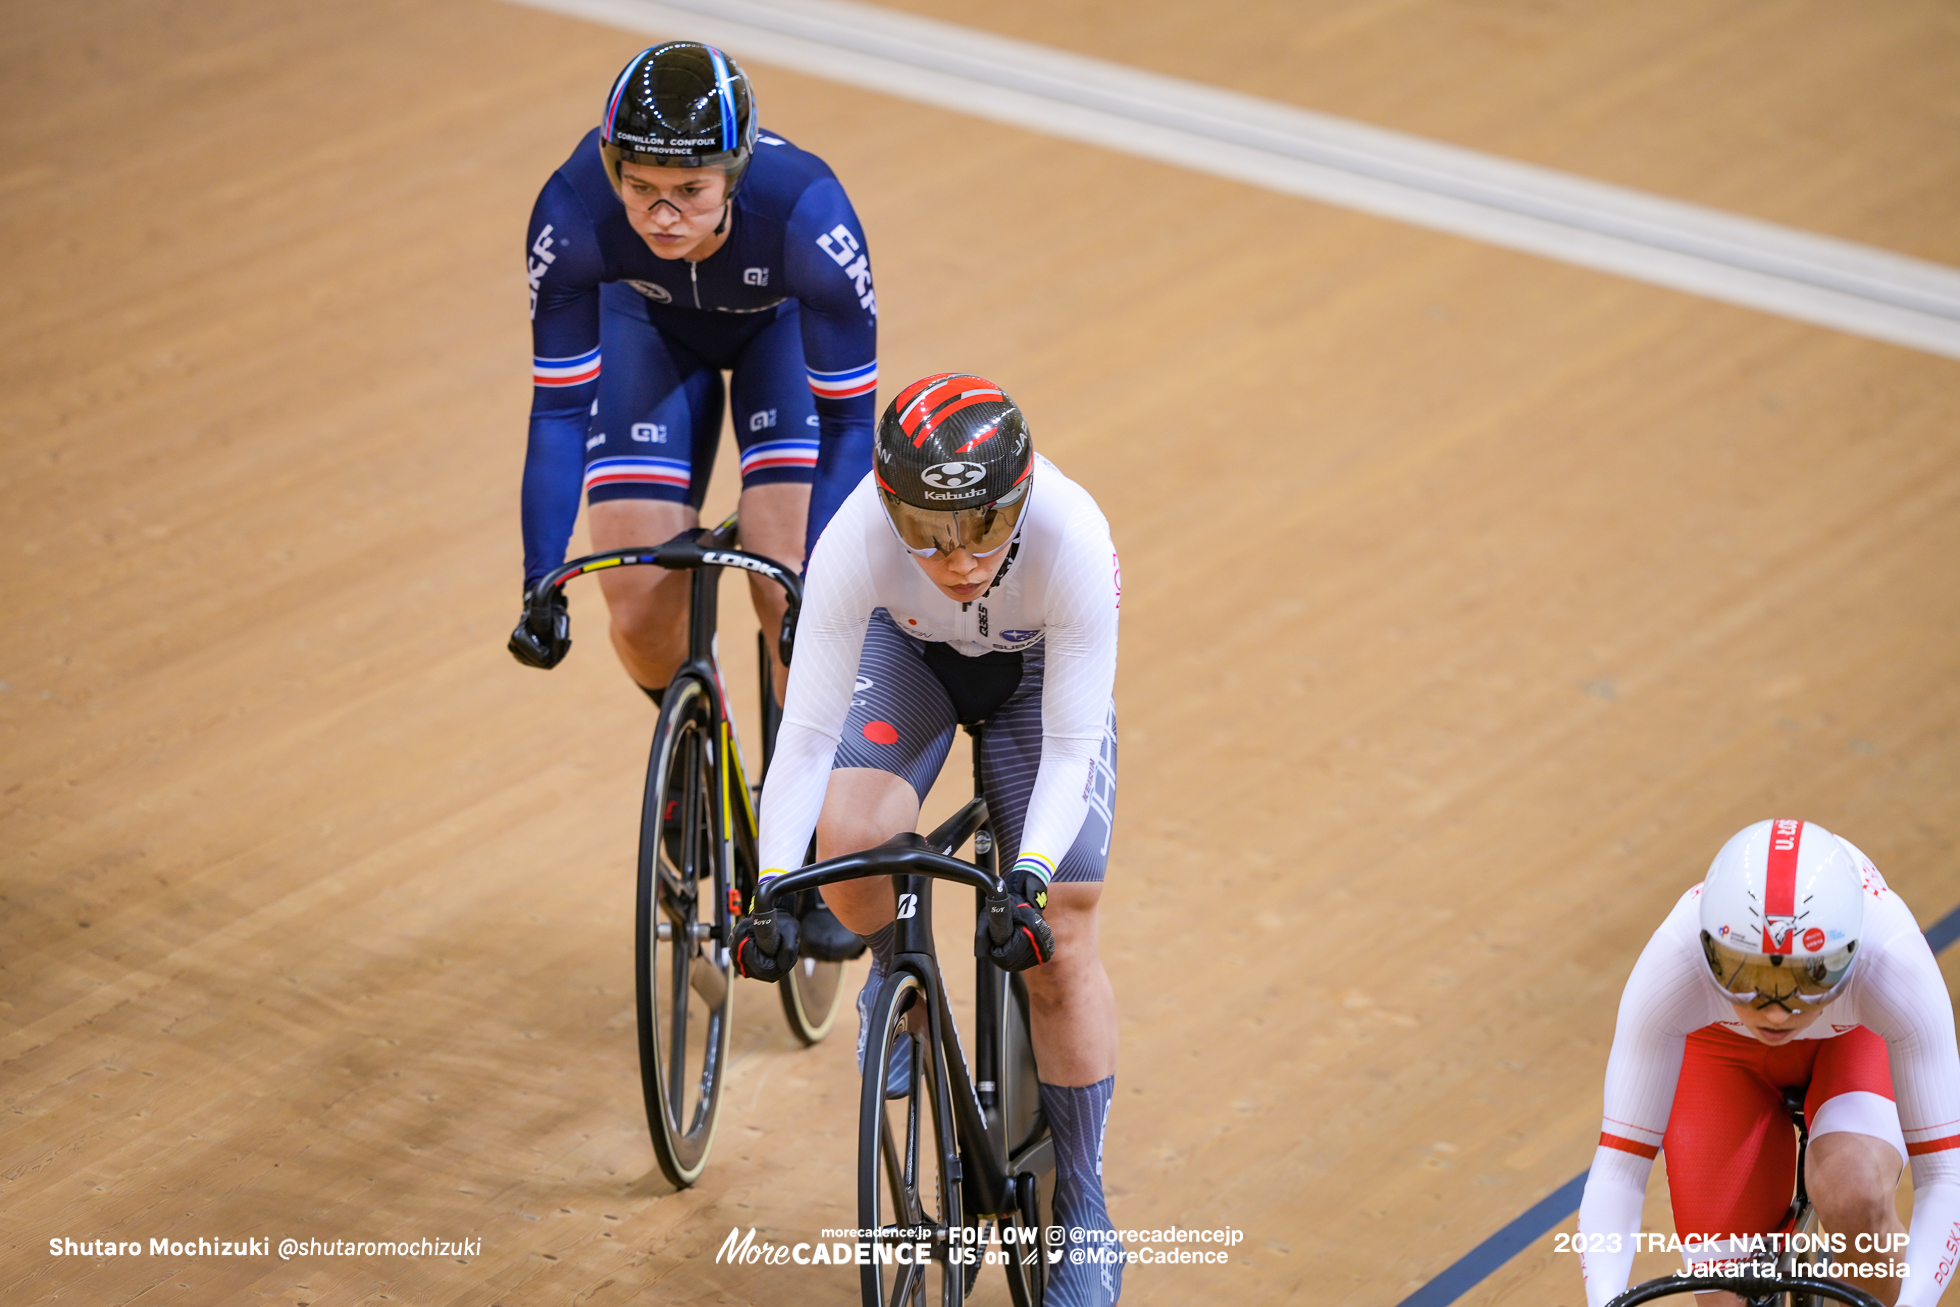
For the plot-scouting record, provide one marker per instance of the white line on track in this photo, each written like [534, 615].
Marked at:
[1759, 265]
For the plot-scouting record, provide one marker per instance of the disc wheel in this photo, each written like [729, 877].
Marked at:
[907, 1152]
[683, 980]
[1031, 1156]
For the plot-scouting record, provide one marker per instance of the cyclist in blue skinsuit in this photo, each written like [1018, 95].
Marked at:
[677, 242]
[680, 241]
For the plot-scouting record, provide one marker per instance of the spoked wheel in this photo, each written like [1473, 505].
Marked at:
[812, 994]
[905, 1189]
[683, 975]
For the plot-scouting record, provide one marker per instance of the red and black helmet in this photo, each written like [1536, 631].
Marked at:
[952, 464]
[952, 441]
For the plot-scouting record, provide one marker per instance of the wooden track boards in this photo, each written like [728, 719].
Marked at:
[1470, 602]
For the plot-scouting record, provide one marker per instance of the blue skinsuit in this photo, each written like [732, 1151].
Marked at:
[628, 348]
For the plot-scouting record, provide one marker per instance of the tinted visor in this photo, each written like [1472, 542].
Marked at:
[1765, 979]
[979, 531]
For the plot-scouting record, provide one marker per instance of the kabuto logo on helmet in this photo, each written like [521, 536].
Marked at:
[953, 476]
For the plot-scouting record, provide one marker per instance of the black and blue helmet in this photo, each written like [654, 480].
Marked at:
[680, 105]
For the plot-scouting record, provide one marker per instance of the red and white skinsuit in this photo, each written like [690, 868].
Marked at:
[1686, 1073]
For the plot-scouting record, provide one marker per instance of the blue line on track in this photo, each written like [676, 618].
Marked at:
[1943, 932]
[1471, 1269]
[1475, 1266]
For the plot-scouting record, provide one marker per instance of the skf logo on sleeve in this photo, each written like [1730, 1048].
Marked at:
[846, 253]
[534, 266]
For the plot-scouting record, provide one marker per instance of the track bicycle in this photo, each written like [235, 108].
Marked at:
[1783, 1287]
[697, 861]
[953, 1165]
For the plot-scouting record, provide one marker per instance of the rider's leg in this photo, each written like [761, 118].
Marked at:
[654, 429]
[1857, 1153]
[862, 808]
[1073, 1005]
[776, 429]
[894, 742]
[1074, 1016]
[1074, 1027]
[1852, 1179]
[1731, 1154]
[772, 525]
[648, 604]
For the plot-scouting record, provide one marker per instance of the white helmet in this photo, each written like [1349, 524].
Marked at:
[1781, 912]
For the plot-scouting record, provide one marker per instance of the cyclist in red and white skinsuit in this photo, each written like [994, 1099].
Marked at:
[1792, 964]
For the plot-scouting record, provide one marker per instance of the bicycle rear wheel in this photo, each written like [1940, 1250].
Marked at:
[908, 1187]
[683, 979]
[812, 994]
[1031, 1155]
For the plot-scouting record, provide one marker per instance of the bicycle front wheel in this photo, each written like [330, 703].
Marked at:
[683, 978]
[907, 1156]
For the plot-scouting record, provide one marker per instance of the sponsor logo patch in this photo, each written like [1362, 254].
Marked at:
[653, 291]
[956, 475]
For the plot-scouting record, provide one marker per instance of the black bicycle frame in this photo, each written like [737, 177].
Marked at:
[914, 862]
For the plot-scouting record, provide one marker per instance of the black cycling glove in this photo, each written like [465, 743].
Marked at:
[1028, 941]
[752, 959]
[546, 647]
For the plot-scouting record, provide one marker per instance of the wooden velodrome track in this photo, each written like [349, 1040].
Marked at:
[1471, 601]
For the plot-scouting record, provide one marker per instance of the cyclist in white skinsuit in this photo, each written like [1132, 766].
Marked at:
[1824, 981]
[967, 579]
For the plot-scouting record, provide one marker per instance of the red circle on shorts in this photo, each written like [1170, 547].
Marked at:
[881, 732]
